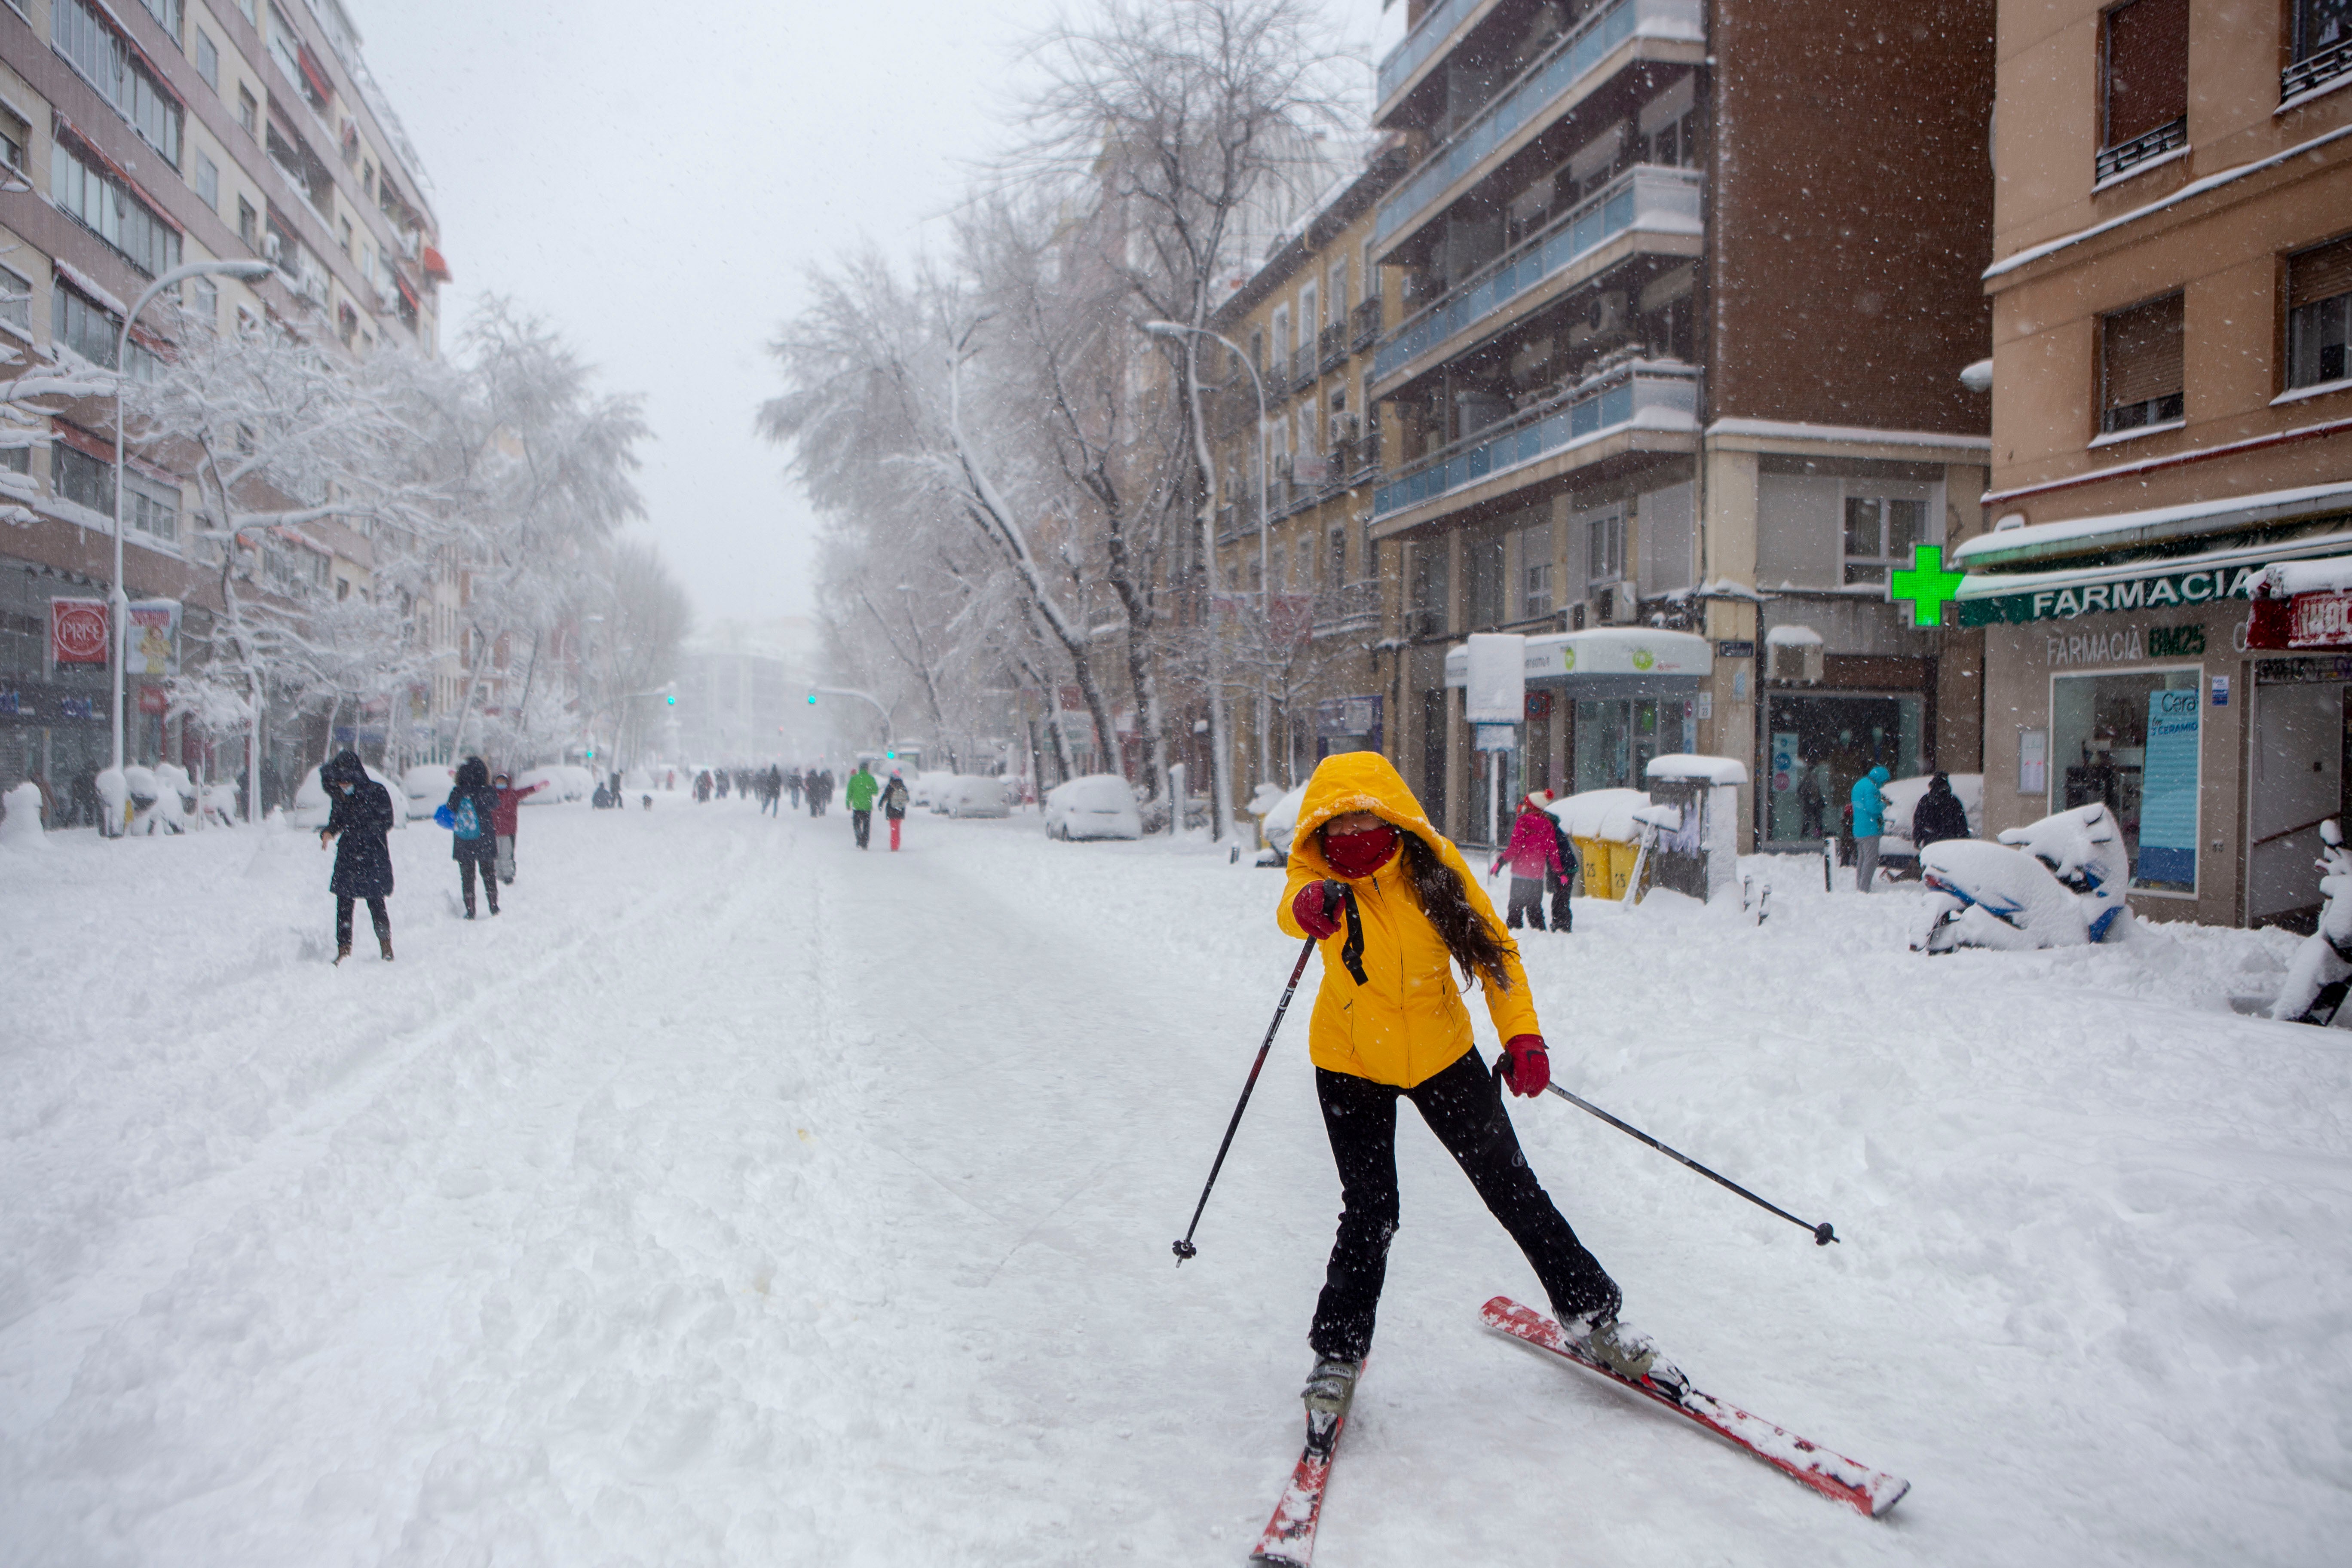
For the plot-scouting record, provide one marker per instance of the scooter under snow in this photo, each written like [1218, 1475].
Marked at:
[2058, 882]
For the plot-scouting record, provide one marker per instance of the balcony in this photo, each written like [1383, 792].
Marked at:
[1561, 72]
[1662, 396]
[1346, 607]
[1331, 346]
[2125, 157]
[2315, 71]
[1364, 324]
[1419, 47]
[1659, 200]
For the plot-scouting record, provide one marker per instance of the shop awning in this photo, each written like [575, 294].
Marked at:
[1607, 661]
[2148, 582]
[2042, 545]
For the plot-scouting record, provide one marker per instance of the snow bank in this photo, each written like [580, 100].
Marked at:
[20, 818]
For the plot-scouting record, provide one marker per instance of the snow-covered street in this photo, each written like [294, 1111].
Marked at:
[736, 1197]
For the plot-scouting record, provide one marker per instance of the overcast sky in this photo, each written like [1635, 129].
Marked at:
[656, 182]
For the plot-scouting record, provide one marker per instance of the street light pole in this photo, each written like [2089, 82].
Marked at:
[119, 604]
[1221, 788]
[889, 731]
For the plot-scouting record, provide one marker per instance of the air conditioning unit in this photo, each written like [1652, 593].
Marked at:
[1793, 656]
[1606, 320]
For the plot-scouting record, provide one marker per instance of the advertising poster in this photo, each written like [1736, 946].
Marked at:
[2167, 813]
[154, 638]
[77, 631]
[1784, 760]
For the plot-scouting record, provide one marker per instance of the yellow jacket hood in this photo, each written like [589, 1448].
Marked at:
[1356, 781]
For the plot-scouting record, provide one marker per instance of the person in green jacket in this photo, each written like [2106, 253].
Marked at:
[863, 787]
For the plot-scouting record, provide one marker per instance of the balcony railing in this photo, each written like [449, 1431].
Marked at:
[1302, 367]
[1661, 200]
[1570, 58]
[1347, 603]
[1364, 324]
[1612, 399]
[2315, 71]
[1436, 24]
[2124, 155]
[1331, 345]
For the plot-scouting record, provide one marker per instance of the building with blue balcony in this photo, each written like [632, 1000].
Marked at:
[1682, 292]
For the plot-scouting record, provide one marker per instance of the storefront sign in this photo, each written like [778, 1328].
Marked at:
[2124, 644]
[2220, 691]
[1498, 737]
[1784, 760]
[151, 699]
[2319, 620]
[2157, 590]
[1348, 716]
[2307, 671]
[1742, 649]
[77, 631]
[2167, 813]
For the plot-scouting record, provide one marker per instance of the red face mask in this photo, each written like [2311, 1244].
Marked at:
[1354, 855]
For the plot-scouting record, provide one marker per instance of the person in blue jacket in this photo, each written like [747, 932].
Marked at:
[1869, 822]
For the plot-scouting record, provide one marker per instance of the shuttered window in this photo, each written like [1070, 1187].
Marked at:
[2139, 365]
[2318, 315]
[2147, 62]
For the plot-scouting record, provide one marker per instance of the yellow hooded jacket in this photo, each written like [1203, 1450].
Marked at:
[1406, 1021]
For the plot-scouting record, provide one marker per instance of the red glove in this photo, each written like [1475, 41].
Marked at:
[1526, 1066]
[1315, 910]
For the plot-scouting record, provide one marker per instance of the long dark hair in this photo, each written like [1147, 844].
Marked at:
[1446, 902]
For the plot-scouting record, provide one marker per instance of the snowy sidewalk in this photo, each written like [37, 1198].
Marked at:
[736, 1197]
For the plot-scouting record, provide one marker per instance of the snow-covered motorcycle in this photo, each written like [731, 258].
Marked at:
[2321, 972]
[2058, 882]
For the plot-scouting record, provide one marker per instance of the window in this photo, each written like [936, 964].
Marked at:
[284, 45]
[82, 478]
[2139, 365]
[100, 55]
[248, 112]
[1482, 578]
[1879, 533]
[2130, 740]
[14, 137]
[208, 59]
[167, 12]
[1338, 291]
[204, 300]
[1668, 125]
[2322, 43]
[1537, 575]
[1337, 561]
[2318, 315]
[2143, 67]
[208, 182]
[367, 178]
[1281, 346]
[346, 228]
[367, 263]
[16, 304]
[1604, 551]
[82, 189]
[1310, 312]
[248, 224]
[244, 8]
[152, 509]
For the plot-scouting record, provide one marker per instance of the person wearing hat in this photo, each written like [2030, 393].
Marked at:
[1533, 854]
[360, 816]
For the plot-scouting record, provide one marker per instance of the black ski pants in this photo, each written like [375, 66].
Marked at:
[1562, 917]
[465, 870]
[862, 824]
[381, 916]
[1527, 902]
[1464, 1106]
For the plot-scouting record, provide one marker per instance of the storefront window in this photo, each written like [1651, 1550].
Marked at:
[2131, 740]
[1819, 743]
[1616, 740]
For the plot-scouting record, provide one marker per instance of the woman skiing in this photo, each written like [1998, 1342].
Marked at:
[360, 816]
[473, 813]
[1395, 909]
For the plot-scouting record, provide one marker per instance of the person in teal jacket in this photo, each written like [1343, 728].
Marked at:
[862, 789]
[1869, 821]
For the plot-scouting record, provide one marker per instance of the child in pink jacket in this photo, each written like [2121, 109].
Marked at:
[1533, 852]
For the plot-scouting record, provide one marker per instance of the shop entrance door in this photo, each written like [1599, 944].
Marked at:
[2301, 736]
[1828, 739]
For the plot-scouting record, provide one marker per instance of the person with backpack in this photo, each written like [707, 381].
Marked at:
[1563, 916]
[472, 809]
[894, 799]
[1395, 909]
[862, 788]
[1533, 852]
[360, 816]
[503, 821]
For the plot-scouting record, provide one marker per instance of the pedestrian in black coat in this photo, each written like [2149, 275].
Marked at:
[1563, 916]
[362, 819]
[475, 801]
[1938, 816]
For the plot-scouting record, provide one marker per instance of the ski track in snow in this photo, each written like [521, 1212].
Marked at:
[736, 1197]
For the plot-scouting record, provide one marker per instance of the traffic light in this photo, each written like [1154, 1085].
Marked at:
[890, 756]
[812, 699]
[671, 698]
[591, 753]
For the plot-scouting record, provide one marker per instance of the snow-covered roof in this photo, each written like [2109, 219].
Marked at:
[2331, 575]
[1601, 814]
[1690, 765]
[2121, 529]
[1792, 636]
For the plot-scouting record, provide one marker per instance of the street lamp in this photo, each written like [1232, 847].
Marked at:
[120, 604]
[889, 731]
[1265, 573]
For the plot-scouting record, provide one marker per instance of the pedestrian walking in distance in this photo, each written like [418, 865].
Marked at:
[860, 793]
[894, 805]
[1938, 816]
[1389, 1024]
[473, 806]
[1533, 855]
[1563, 914]
[793, 783]
[361, 818]
[1869, 822]
[503, 820]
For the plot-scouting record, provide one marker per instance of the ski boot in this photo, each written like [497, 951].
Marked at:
[1627, 1351]
[1331, 1386]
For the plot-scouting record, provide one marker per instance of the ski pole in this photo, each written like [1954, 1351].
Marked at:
[1185, 1248]
[1822, 1234]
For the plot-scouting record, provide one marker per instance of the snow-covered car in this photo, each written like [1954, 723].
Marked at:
[1903, 796]
[1098, 806]
[563, 782]
[425, 786]
[1279, 821]
[925, 789]
[975, 796]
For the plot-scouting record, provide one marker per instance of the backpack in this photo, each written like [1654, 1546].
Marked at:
[468, 824]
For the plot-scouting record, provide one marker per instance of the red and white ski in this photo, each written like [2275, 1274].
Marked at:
[1290, 1538]
[1831, 1475]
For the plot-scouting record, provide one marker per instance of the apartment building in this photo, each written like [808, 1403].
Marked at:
[1309, 679]
[2172, 418]
[1687, 289]
[138, 136]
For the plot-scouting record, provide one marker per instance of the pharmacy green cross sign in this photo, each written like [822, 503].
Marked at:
[1926, 584]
